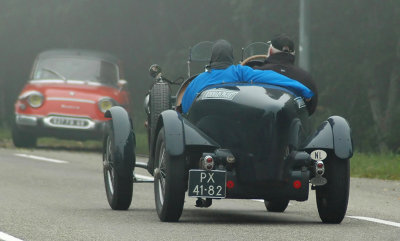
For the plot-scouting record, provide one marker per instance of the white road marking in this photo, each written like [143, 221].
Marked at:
[375, 220]
[41, 158]
[6, 237]
[144, 177]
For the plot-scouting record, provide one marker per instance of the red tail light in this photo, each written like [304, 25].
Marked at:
[230, 184]
[297, 184]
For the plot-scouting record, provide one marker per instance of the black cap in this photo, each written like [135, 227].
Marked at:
[283, 43]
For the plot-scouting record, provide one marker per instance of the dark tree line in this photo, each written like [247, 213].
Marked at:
[355, 48]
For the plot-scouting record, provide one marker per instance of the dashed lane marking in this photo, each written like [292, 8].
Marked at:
[375, 220]
[39, 158]
[7, 237]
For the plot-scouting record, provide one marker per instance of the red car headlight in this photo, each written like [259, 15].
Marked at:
[106, 103]
[34, 98]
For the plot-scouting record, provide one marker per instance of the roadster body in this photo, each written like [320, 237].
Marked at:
[238, 140]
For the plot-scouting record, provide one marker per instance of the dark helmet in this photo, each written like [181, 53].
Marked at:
[221, 55]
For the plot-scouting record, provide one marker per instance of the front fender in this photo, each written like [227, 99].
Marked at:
[334, 133]
[121, 131]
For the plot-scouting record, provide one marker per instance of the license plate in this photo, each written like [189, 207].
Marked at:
[207, 184]
[61, 121]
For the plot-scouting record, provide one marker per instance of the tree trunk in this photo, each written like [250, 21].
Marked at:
[2, 103]
[382, 113]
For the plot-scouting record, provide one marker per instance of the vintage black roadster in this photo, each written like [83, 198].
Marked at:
[238, 141]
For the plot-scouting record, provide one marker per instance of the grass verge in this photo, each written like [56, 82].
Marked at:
[372, 165]
[90, 145]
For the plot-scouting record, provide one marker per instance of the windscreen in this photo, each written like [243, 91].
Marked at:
[257, 48]
[68, 68]
[201, 51]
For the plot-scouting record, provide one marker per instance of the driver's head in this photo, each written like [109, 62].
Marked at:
[221, 55]
[281, 43]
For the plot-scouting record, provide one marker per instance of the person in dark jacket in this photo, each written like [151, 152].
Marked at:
[222, 70]
[281, 57]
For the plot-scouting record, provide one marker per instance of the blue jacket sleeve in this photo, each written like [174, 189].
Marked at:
[274, 78]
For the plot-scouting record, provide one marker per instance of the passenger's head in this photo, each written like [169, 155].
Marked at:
[221, 55]
[281, 43]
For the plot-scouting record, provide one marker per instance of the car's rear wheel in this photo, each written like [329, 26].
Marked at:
[22, 139]
[276, 205]
[332, 198]
[169, 182]
[118, 181]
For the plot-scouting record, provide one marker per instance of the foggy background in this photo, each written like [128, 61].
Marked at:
[354, 48]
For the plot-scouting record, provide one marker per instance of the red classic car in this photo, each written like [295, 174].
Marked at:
[67, 95]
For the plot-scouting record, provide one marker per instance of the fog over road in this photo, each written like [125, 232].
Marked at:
[59, 195]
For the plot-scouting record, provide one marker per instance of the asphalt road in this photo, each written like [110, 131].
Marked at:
[45, 199]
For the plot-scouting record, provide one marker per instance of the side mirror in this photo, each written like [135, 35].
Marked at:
[154, 70]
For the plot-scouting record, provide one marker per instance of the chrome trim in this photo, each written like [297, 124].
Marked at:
[90, 124]
[26, 94]
[80, 82]
[26, 120]
[70, 99]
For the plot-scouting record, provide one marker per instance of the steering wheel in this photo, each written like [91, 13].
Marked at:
[254, 57]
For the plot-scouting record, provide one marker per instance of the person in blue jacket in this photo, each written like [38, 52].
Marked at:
[222, 70]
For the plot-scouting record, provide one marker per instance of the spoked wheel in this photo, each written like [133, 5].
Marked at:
[276, 205]
[332, 198]
[169, 183]
[118, 182]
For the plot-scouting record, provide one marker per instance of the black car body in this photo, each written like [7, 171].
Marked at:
[238, 140]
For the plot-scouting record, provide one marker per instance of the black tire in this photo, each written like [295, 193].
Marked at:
[278, 206]
[118, 181]
[21, 139]
[169, 183]
[160, 100]
[332, 198]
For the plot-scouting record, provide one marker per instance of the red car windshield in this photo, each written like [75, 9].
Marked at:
[68, 68]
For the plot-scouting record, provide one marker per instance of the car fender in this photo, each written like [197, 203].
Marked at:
[180, 133]
[124, 137]
[334, 133]
[294, 132]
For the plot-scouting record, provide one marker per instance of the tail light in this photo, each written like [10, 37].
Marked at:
[207, 162]
[319, 168]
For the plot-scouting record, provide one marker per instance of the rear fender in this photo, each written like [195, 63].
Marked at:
[334, 133]
[180, 133]
[294, 132]
[124, 138]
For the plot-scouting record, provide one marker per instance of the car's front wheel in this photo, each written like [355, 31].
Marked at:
[332, 198]
[169, 182]
[21, 139]
[118, 181]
